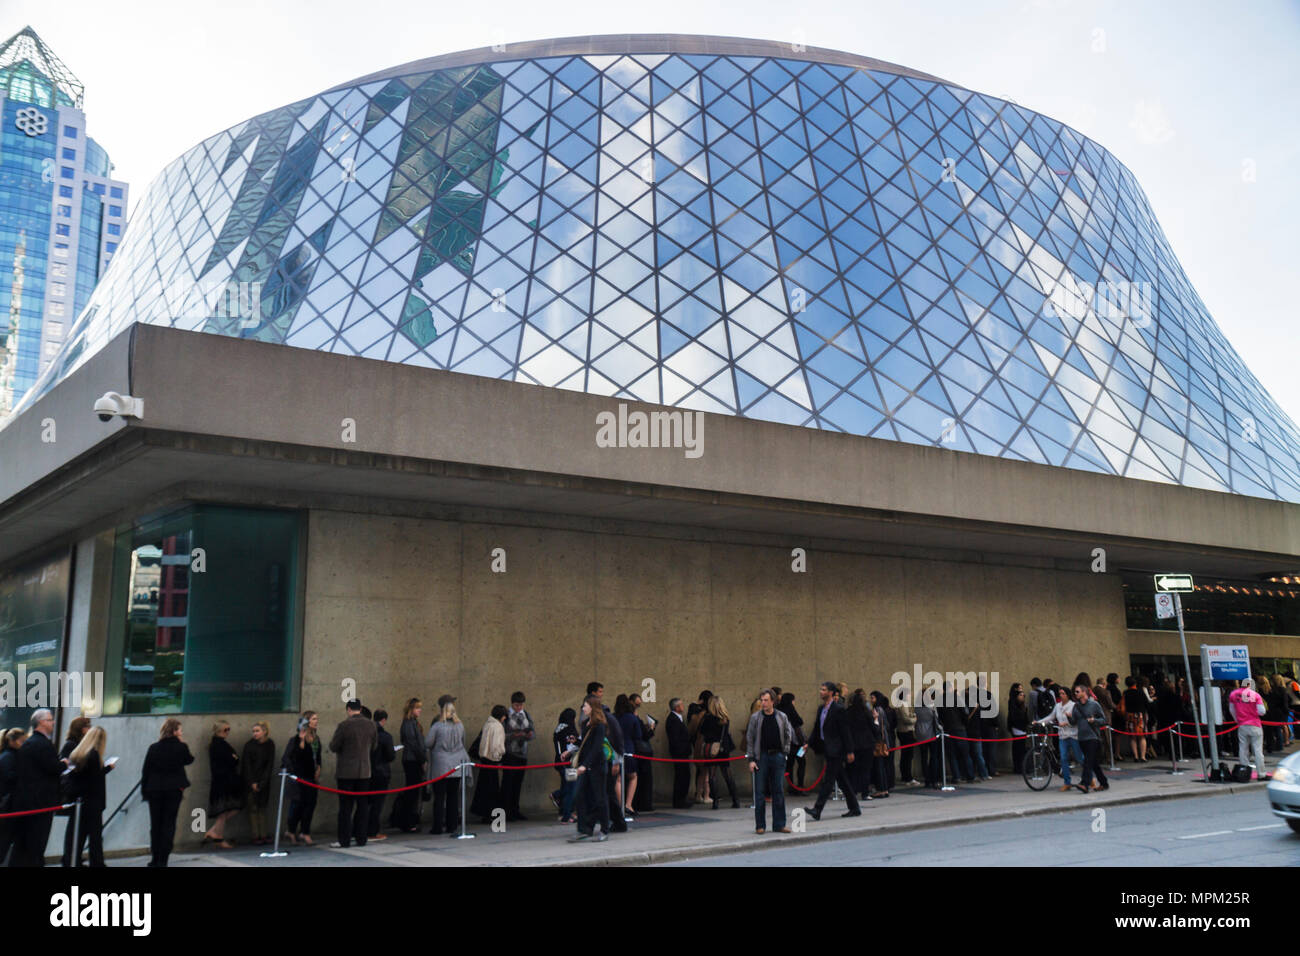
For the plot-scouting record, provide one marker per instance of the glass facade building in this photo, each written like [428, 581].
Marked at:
[803, 237]
[58, 231]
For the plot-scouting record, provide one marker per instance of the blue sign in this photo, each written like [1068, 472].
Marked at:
[1226, 661]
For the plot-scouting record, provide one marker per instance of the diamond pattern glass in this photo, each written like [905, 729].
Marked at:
[804, 242]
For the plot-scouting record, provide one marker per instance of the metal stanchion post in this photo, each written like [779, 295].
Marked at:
[1173, 754]
[753, 786]
[279, 814]
[943, 759]
[1179, 725]
[75, 859]
[623, 765]
[1110, 735]
[464, 806]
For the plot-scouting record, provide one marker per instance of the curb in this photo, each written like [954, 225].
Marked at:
[678, 854]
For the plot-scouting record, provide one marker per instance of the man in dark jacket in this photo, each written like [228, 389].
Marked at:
[381, 772]
[832, 738]
[39, 768]
[354, 740]
[679, 748]
[953, 720]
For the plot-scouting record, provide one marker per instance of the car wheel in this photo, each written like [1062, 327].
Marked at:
[1293, 824]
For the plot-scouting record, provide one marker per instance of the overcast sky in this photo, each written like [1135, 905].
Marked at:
[1198, 99]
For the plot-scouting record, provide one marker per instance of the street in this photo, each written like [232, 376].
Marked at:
[1227, 829]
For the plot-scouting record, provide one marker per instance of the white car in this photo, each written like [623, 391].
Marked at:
[1284, 791]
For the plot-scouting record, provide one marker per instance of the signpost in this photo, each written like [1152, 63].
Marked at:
[1220, 662]
[1178, 585]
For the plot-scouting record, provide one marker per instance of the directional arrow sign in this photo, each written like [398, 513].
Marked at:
[1169, 583]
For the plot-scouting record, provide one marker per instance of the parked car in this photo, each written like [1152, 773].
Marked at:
[1284, 791]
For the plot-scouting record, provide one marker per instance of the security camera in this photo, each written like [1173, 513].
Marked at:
[111, 404]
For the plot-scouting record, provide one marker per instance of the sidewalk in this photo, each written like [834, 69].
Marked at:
[667, 835]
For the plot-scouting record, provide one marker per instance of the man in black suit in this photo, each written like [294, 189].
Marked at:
[39, 768]
[679, 748]
[833, 739]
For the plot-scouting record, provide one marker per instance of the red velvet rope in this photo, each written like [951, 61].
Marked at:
[371, 793]
[29, 813]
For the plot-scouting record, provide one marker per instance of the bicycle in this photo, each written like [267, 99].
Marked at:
[1042, 759]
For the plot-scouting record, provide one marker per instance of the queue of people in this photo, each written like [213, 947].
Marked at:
[602, 757]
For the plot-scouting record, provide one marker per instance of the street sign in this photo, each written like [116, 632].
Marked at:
[1174, 583]
[1226, 661]
[1164, 606]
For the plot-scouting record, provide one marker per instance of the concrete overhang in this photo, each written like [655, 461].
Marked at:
[225, 415]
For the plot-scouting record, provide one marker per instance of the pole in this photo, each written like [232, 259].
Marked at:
[943, 759]
[1110, 736]
[753, 787]
[623, 791]
[76, 834]
[1187, 666]
[1173, 754]
[464, 807]
[279, 814]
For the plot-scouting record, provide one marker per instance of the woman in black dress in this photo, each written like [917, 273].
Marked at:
[257, 768]
[225, 796]
[796, 767]
[9, 743]
[88, 772]
[163, 783]
[300, 760]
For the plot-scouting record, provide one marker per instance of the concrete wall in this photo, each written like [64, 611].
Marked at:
[410, 607]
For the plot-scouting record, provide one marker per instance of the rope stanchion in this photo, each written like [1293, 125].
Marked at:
[275, 850]
[1173, 755]
[623, 792]
[943, 760]
[464, 802]
[76, 833]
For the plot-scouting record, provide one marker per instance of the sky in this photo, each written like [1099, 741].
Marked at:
[1197, 98]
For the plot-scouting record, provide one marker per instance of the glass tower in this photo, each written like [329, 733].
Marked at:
[62, 214]
[812, 238]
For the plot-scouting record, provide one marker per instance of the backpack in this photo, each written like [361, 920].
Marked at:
[1046, 704]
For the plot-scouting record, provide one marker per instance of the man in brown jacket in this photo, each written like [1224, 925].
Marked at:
[354, 740]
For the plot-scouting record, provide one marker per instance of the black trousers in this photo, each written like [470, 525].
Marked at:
[905, 756]
[795, 763]
[163, 808]
[644, 801]
[377, 804]
[354, 814]
[92, 833]
[593, 800]
[406, 805]
[1091, 762]
[446, 805]
[30, 836]
[302, 804]
[932, 762]
[1018, 747]
[6, 840]
[66, 859]
[835, 771]
[616, 821]
[512, 784]
[681, 785]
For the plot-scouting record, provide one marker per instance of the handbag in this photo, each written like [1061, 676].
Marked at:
[881, 749]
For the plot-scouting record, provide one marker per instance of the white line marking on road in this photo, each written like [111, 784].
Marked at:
[1266, 826]
[1197, 836]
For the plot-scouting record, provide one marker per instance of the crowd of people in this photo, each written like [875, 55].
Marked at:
[870, 744]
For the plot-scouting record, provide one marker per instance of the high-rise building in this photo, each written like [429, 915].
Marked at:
[62, 214]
